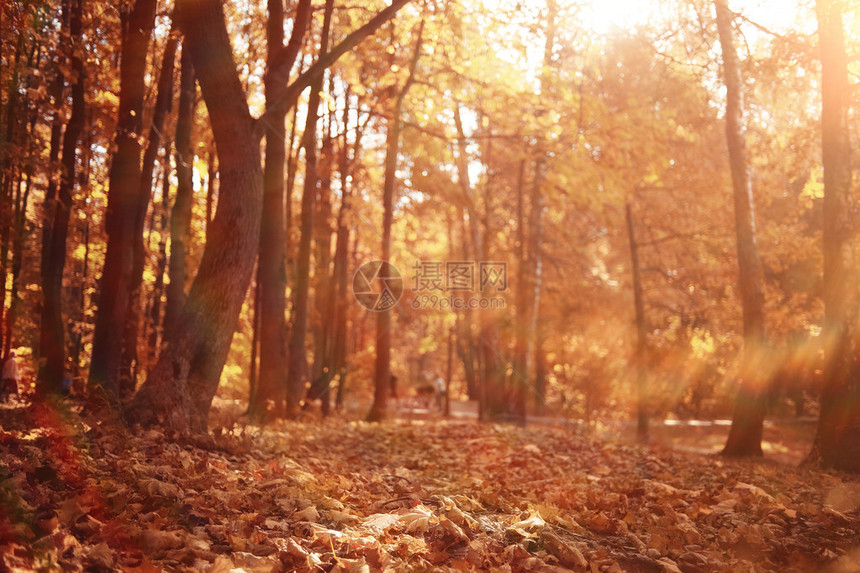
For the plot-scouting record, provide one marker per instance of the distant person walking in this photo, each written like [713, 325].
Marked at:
[11, 376]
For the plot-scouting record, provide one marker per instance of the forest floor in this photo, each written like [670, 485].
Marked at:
[414, 495]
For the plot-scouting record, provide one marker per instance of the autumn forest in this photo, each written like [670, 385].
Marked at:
[490, 285]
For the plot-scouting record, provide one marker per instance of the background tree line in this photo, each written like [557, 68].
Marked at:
[187, 190]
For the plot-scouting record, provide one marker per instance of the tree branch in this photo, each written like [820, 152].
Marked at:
[294, 90]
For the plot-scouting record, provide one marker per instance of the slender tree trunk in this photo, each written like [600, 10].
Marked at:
[52, 333]
[837, 441]
[10, 174]
[57, 91]
[323, 272]
[540, 361]
[471, 239]
[339, 296]
[297, 364]
[155, 319]
[163, 103]
[180, 216]
[641, 331]
[272, 267]
[253, 385]
[748, 419]
[22, 200]
[522, 340]
[124, 186]
[382, 372]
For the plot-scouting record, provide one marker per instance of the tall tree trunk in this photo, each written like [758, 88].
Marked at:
[180, 216]
[640, 360]
[272, 267]
[124, 186]
[155, 319]
[180, 388]
[22, 200]
[254, 362]
[10, 172]
[323, 272]
[163, 103]
[837, 441]
[382, 372]
[297, 364]
[522, 340]
[748, 419]
[52, 338]
[540, 361]
[339, 295]
[471, 240]
[181, 385]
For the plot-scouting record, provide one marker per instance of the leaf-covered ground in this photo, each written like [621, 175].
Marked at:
[414, 496]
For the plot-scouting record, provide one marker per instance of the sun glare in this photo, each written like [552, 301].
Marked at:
[604, 15]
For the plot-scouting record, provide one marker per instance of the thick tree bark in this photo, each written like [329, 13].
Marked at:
[180, 388]
[272, 267]
[124, 186]
[52, 333]
[837, 441]
[382, 372]
[748, 419]
[180, 216]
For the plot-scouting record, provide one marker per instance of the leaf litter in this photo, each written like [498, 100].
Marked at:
[414, 496]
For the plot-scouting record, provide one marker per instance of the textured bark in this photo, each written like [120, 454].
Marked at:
[382, 372]
[748, 418]
[180, 388]
[52, 332]
[124, 185]
[180, 216]
[837, 441]
[272, 267]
